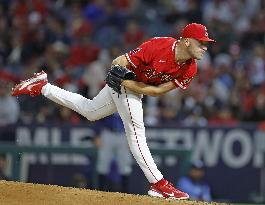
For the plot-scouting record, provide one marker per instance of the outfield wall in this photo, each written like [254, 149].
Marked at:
[233, 156]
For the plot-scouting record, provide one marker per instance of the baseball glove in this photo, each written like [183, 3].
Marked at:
[116, 75]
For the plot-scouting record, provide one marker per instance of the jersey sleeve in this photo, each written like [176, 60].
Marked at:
[141, 55]
[185, 80]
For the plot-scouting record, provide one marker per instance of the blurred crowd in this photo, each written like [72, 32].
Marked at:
[74, 41]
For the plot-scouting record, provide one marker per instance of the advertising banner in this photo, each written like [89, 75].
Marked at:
[233, 156]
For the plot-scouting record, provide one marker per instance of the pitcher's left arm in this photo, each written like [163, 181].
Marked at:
[146, 89]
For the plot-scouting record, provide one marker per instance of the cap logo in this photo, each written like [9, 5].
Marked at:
[206, 33]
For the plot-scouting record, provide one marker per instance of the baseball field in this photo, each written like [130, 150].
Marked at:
[16, 193]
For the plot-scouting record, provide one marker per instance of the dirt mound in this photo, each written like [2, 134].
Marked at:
[16, 193]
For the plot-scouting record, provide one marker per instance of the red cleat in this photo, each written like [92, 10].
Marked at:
[31, 86]
[165, 189]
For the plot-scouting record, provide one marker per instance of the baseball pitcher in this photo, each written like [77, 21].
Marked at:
[154, 68]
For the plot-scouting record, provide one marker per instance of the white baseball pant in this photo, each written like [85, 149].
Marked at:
[128, 105]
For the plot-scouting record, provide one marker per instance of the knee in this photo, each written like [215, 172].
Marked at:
[92, 117]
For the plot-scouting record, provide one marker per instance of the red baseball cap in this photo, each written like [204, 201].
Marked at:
[196, 31]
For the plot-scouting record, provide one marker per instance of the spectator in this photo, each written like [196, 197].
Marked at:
[94, 74]
[67, 38]
[112, 144]
[82, 52]
[194, 184]
[133, 35]
[9, 112]
[3, 163]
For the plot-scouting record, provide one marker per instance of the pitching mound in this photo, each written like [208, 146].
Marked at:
[15, 193]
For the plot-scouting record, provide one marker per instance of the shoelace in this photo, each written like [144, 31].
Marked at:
[172, 186]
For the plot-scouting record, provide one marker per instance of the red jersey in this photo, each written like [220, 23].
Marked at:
[154, 63]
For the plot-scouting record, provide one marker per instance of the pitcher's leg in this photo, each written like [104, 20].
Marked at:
[100, 106]
[129, 106]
